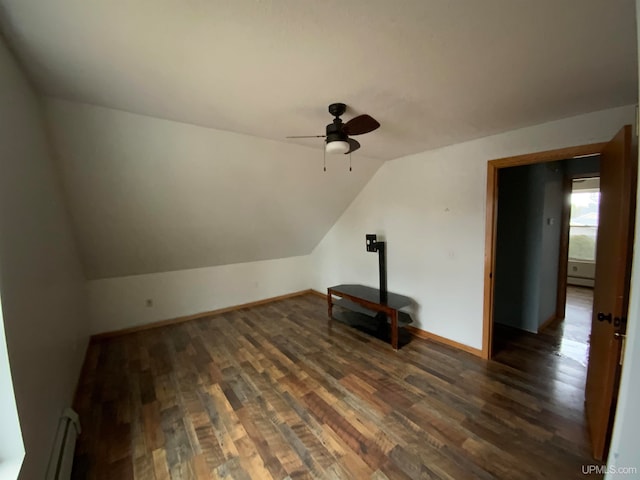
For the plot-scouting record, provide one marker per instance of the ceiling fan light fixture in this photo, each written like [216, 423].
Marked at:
[338, 146]
[338, 134]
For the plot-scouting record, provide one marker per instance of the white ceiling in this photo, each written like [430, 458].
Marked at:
[432, 72]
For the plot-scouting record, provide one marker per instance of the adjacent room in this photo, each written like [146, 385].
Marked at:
[284, 239]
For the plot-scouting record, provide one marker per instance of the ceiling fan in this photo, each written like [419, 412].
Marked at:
[338, 133]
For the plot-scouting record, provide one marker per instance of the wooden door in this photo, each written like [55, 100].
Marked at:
[611, 291]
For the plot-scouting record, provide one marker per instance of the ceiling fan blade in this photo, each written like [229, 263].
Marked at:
[307, 136]
[360, 125]
[355, 145]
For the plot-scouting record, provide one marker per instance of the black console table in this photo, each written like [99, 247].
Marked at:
[368, 302]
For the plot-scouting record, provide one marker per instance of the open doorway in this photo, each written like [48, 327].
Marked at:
[618, 171]
[583, 231]
[582, 234]
[544, 265]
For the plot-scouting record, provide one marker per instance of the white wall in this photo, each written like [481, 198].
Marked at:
[624, 450]
[149, 195]
[41, 282]
[431, 209]
[118, 303]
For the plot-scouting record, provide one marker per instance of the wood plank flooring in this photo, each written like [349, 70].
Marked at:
[270, 392]
[560, 353]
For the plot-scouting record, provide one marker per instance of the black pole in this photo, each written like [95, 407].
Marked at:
[382, 267]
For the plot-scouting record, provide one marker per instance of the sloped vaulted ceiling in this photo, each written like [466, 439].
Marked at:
[150, 195]
[153, 190]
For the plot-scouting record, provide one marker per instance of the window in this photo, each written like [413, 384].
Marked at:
[11, 446]
[583, 225]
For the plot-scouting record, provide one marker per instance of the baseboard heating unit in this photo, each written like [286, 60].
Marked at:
[61, 461]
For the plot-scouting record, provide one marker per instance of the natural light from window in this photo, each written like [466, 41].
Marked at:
[583, 226]
[11, 446]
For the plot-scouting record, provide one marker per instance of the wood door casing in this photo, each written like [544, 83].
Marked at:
[493, 166]
[611, 291]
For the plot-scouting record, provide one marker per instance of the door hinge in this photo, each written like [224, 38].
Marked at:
[623, 338]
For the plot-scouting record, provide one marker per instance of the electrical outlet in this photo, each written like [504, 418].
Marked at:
[149, 302]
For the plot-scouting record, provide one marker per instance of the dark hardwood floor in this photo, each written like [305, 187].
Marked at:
[271, 392]
[559, 353]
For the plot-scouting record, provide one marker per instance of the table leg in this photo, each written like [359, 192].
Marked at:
[394, 329]
[329, 306]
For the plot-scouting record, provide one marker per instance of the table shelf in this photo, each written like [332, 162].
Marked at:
[365, 308]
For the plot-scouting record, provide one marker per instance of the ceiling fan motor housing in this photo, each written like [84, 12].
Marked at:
[335, 132]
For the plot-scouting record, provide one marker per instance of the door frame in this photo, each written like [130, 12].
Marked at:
[563, 266]
[493, 167]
